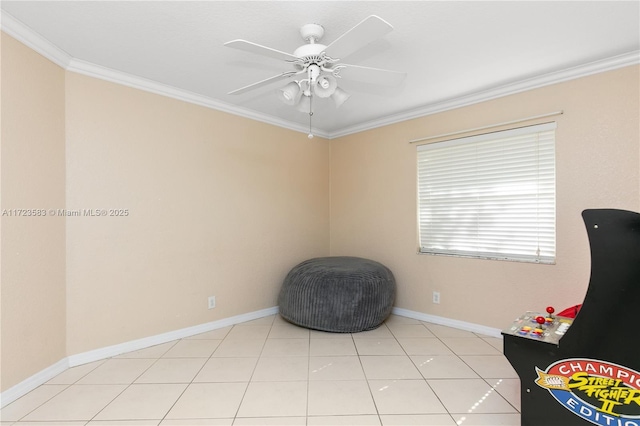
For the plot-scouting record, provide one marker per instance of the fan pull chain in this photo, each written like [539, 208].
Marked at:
[310, 135]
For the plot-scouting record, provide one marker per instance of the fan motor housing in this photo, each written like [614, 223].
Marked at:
[309, 50]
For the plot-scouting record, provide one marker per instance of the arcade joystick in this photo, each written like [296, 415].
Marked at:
[540, 330]
[550, 311]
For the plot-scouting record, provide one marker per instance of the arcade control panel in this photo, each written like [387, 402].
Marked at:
[542, 327]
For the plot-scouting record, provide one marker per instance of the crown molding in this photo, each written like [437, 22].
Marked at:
[608, 64]
[35, 41]
[96, 71]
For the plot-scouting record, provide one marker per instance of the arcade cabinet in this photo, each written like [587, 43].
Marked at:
[586, 370]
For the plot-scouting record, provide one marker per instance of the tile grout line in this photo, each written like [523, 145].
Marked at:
[306, 418]
[493, 387]
[253, 372]
[425, 379]
[192, 379]
[125, 388]
[373, 399]
[67, 386]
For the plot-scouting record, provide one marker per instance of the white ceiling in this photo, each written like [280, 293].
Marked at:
[455, 52]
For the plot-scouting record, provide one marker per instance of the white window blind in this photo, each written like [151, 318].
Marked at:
[490, 196]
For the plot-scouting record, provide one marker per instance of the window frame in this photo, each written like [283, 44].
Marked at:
[545, 160]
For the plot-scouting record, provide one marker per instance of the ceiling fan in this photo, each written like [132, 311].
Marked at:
[316, 67]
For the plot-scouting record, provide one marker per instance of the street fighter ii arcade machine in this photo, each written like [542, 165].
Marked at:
[584, 371]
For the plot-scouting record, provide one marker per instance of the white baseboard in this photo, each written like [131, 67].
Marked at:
[26, 386]
[462, 325]
[146, 342]
[50, 372]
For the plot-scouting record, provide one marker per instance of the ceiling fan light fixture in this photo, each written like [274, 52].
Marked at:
[325, 86]
[290, 94]
[318, 65]
[340, 96]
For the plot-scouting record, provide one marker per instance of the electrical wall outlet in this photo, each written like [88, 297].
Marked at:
[436, 297]
[212, 302]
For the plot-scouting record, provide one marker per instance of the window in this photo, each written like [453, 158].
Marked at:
[490, 196]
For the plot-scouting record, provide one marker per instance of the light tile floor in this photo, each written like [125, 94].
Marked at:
[270, 372]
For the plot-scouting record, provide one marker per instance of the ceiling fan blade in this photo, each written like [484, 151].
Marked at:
[372, 75]
[248, 46]
[261, 83]
[358, 37]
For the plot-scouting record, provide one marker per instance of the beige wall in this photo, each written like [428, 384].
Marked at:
[373, 200]
[33, 248]
[222, 205]
[218, 205]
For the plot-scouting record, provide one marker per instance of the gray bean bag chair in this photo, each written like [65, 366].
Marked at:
[338, 294]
